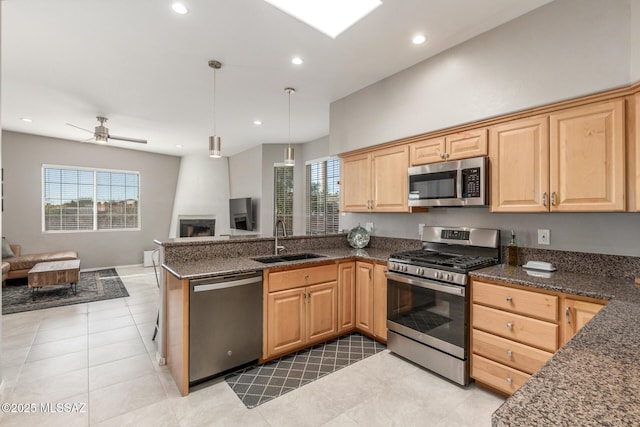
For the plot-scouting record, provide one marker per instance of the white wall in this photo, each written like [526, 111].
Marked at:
[202, 189]
[242, 167]
[562, 50]
[22, 158]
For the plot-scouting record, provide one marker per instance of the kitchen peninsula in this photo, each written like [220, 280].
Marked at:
[592, 380]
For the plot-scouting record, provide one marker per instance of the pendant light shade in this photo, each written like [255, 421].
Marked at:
[289, 155]
[215, 144]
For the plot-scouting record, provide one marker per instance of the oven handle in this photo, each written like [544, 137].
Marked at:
[427, 284]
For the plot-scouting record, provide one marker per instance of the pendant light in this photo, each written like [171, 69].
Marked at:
[214, 141]
[289, 157]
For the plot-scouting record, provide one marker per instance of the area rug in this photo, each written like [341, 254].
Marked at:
[259, 384]
[92, 286]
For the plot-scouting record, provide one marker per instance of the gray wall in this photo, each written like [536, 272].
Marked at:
[22, 158]
[251, 175]
[564, 49]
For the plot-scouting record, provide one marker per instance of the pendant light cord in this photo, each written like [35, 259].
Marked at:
[214, 103]
[289, 118]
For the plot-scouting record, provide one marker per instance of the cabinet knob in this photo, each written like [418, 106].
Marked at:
[509, 380]
[509, 353]
[306, 277]
[509, 299]
[509, 325]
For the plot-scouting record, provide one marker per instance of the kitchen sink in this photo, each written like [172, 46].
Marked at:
[285, 258]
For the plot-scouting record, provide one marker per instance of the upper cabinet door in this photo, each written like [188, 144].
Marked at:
[427, 151]
[519, 154]
[464, 145]
[588, 158]
[356, 183]
[390, 179]
[634, 151]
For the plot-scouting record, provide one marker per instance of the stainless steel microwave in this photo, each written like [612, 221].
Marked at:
[457, 183]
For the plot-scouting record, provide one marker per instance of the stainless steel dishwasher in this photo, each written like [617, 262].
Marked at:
[225, 324]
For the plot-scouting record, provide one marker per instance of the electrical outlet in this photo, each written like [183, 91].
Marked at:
[420, 229]
[544, 237]
[369, 227]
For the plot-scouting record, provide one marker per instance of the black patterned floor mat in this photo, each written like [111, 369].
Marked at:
[259, 384]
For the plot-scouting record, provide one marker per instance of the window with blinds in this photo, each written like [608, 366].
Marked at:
[89, 200]
[283, 198]
[323, 197]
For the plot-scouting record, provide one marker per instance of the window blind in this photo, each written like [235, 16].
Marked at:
[283, 198]
[323, 197]
[87, 199]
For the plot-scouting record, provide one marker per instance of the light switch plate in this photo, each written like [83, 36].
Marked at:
[544, 237]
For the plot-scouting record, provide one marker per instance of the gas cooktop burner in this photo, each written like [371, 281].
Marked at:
[436, 259]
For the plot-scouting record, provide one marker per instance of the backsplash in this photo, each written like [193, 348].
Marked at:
[617, 266]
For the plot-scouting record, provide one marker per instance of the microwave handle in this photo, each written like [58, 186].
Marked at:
[459, 183]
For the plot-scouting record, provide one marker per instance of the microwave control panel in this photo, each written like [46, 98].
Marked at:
[471, 182]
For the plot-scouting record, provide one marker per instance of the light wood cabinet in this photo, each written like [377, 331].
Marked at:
[519, 153]
[462, 145]
[301, 308]
[346, 296]
[514, 331]
[375, 181]
[575, 164]
[576, 314]
[371, 299]
[380, 302]
[587, 158]
[364, 297]
[633, 175]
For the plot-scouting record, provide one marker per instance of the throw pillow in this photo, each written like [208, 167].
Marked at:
[6, 250]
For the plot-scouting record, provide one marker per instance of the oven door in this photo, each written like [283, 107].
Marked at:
[429, 312]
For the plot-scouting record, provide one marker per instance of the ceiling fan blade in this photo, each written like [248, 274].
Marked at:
[78, 127]
[123, 138]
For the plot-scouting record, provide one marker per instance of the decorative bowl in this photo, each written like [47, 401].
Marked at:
[358, 237]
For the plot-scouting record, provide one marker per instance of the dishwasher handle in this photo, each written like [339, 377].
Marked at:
[224, 285]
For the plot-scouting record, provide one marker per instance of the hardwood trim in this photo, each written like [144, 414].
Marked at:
[544, 109]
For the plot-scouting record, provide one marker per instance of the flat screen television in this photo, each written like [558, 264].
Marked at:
[241, 214]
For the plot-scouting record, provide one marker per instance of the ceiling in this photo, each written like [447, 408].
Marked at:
[146, 68]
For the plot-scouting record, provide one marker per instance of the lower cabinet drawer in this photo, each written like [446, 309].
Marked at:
[299, 277]
[498, 376]
[507, 352]
[523, 329]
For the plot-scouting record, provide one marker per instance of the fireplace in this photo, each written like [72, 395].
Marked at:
[197, 227]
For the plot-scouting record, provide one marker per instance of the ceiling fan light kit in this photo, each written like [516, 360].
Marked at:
[215, 143]
[289, 155]
[101, 133]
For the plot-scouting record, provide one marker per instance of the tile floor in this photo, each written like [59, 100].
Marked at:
[100, 357]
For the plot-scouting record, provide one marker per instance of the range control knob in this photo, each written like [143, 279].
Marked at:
[438, 275]
[404, 268]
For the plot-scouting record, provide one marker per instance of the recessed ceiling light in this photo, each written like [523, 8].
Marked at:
[26, 119]
[419, 39]
[296, 61]
[330, 17]
[257, 122]
[179, 8]
[179, 145]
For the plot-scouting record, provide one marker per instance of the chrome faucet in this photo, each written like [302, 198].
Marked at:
[277, 248]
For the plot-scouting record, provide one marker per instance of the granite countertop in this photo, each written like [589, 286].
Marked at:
[221, 266]
[594, 380]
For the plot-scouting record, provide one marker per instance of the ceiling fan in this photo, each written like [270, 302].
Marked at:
[101, 133]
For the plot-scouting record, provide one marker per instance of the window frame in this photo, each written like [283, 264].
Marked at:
[95, 228]
[326, 178]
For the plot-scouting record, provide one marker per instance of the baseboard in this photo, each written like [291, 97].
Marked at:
[112, 266]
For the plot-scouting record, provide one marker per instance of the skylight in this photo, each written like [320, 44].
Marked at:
[330, 17]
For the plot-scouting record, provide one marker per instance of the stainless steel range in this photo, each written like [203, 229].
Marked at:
[428, 297]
